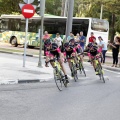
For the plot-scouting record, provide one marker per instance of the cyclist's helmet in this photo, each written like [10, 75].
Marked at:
[47, 42]
[54, 46]
[76, 43]
[90, 45]
[66, 44]
[72, 41]
[71, 46]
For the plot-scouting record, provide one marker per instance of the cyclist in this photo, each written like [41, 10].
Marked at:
[94, 52]
[69, 52]
[53, 51]
[77, 47]
[79, 50]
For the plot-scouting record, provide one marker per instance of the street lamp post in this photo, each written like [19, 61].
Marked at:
[42, 10]
[69, 17]
[66, 8]
[101, 11]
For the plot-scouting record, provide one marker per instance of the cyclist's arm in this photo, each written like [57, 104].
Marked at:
[47, 56]
[60, 53]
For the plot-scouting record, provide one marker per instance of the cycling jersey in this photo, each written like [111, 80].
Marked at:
[93, 52]
[77, 47]
[69, 52]
[53, 51]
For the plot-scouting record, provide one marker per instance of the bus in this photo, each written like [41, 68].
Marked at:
[12, 28]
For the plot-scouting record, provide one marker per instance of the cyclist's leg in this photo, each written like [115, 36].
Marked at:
[63, 69]
[65, 59]
[94, 65]
[47, 58]
[69, 62]
[51, 57]
[75, 59]
[93, 62]
[82, 55]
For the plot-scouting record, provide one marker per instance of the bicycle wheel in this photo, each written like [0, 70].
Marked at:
[74, 71]
[63, 78]
[82, 68]
[58, 79]
[101, 73]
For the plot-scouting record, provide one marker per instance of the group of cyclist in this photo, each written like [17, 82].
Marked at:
[71, 50]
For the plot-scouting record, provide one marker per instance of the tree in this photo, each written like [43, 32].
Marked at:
[9, 6]
[110, 12]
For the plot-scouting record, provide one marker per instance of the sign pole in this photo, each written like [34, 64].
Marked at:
[25, 44]
[40, 51]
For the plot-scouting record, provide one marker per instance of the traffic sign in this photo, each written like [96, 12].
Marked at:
[28, 10]
[28, 1]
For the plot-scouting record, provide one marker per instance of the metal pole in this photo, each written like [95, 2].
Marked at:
[25, 44]
[65, 9]
[69, 17]
[101, 11]
[42, 10]
[39, 62]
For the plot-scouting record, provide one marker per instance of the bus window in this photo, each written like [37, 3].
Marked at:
[99, 25]
[80, 25]
[54, 26]
[4, 24]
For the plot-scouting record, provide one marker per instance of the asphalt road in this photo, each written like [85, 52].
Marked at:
[87, 99]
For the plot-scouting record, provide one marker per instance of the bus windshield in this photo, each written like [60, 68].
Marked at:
[59, 25]
[99, 25]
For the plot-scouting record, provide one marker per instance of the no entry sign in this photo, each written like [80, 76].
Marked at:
[28, 10]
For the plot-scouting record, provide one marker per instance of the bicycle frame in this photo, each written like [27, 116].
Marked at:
[74, 70]
[57, 64]
[98, 66]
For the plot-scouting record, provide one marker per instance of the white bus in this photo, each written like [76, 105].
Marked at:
[12, 28]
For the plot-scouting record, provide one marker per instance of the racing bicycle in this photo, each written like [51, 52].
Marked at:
[58, 74]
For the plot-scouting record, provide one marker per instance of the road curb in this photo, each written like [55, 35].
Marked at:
[16, 53]
[22, 81]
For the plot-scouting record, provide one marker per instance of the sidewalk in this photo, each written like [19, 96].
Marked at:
[12, 72]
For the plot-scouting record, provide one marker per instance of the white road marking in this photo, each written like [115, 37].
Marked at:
[106, 77]
[118, 76]
[28, 11]
[111, 71]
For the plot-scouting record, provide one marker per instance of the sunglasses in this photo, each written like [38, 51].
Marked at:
[67, 47]
[47, 45]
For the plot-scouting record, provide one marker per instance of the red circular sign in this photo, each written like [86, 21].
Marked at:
[28, 10]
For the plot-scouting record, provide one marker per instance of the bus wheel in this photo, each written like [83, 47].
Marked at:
[13, 41]
[29, 46]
